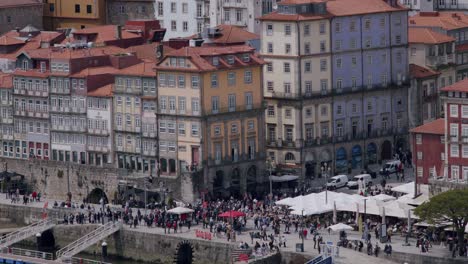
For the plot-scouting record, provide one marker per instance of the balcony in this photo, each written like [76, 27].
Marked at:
[60, 91]
[237, 108]
[98, 148]
[7, 120]
[7, 137]
[101, 132]
[310, 142]
[234, 4]
[149, 152]
[281, 95]
[271, 143]
[31, 113]
[288, 143]
[436, 61]
[149, 134]
[454, 139]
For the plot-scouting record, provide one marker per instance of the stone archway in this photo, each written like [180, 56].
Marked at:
[310, 163]
[251, 179]
[95, 196]
[184, 253]
[386, 152]
[372, 153]
[47, 240]
[218, 181]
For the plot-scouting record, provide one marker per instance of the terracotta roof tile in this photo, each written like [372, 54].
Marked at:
[58, 53]
[427, 36]
[360, 7]
[104, 33]
[460, 86]
[7, 40]
[6, 80]
[444, 20]
[146, 68]
[95, 71]
[104, 91]
[436, 127]
[418, 72]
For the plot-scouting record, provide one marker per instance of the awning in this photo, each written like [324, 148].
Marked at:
[284, 178]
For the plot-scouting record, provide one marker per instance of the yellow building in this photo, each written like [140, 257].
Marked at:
[74, 13]
[226, 84]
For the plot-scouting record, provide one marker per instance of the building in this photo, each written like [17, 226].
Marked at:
[428, 145]
[242, 13]
[441, 152]
[434, 52]
[120, 11]
[328, 104]
[228, 35]
[453, 24]
[6, 118]
[20, 13]
[77, 14]
[134, 117]
[182, 19]
[456, 132]
[211, 116]
[439, 5]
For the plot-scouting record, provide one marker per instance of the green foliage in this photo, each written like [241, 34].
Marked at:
[448, 206]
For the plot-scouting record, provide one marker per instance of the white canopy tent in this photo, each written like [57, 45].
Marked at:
[180, 210]
[340, 227]
[383, 197]
[284, 178]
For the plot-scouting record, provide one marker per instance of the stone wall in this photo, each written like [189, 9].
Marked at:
[20, 17]
[54, 179]
[134, 9]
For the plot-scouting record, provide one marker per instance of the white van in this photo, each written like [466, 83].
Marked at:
[337, 181]
[354, 184]
[390, 167]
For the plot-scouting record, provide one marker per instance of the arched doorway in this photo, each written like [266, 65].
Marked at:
[235, 182]
[95, 196]
[341, 163]
[356, 153]
[251, 179]
[386, 153]
[310, 166]
[372, 153]
[185, 253]
[218, 180]
[47, 240]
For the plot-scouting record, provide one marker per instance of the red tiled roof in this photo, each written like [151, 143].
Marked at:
[418, 72]
[336, 8]
[197, 54]
[148, 51]
[59, 53]
[105, 33]
[15, 3]
[146, 68]
[104, 91]
[31, 73]
[232, 34]
[360, 7]
[7, 40]
[444, 20]
[6, 80]
[460, 86]
[95, 71]
[436, 127]
[427, 36]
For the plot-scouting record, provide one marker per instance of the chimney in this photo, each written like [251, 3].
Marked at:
[118, 32]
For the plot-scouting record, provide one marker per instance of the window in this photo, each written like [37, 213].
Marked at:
[247, 76]
[248, 100]
[307, 48]
[181, 81]
[184, 8]
[214, 80]
[194, 130]
[89, 9]
[77, 9]
[323, 47]
[185, 26]
[289, 157]
[234, 128]
[455, 172]
[323, 110]
[453, 110]
[308, 88]
[322, 28]
[287, 87]
[420, 172]
[286, 67]
[195, 82]
[465, 151]
[173, 7]
[307, 66]
[454, 150]
[338, 63]
[306, 30]
[271, 110]
[338, 44]
[217, 130]
[288, 113]
[398, 39]
[287, 30]
[323, 65]
[352, 25]
[174, 25]
[160, 8]
[367, 24]
[269, 29]
[419, 155]
[51, 7]
[337, 27]
[287, 48]
[232, 102]
[270, 67]
[231, 78]
[270, 86]
[182, 129]
[418, 139]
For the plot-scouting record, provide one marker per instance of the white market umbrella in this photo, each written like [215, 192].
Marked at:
[286, 201]
[357, 213]
[383, 197]
[340, 227]
[180, 210]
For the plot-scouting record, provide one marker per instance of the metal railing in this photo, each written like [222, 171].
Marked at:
[27, 253]
[66, 253]
[26, 232]
[86, 261]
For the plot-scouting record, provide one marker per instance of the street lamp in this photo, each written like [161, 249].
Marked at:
[325, 171]
[270, 166]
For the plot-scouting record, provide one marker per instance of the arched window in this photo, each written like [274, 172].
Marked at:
[289, 157]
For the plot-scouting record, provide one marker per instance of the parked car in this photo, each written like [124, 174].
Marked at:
[372, 173]
[354, 184]
[390, 167]
[337, 181]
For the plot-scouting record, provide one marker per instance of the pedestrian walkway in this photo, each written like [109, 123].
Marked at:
[25, 232]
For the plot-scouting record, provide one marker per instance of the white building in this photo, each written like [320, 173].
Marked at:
[435, 5]
[182, 18]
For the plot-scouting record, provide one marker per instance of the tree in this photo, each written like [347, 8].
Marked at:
[448, 206]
